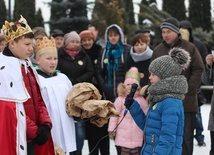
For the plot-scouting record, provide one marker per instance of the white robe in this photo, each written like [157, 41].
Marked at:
[54, 91]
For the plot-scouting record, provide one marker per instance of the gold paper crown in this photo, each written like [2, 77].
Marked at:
[44, 45]
[133, 73]
[13, 30]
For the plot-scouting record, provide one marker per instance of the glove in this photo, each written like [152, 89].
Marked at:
[42, 134]
[128, 102]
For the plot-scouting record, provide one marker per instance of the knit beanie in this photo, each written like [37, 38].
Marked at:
[172, 24]
[86, 34]
[71, 36]
[132, 76]
[170, 65]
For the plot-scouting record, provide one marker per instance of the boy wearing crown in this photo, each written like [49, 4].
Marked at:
[24, 119]
[55, 87]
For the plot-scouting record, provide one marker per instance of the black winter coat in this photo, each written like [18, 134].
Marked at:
[142, 67]
[77, 70]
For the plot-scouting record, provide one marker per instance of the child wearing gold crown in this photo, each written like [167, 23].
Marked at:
[24, 119]
[127, 135]
[54, 88]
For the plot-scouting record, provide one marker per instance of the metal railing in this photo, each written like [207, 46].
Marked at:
[207, 87]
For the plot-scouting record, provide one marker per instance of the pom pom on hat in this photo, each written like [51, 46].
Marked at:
[86, 34]
[170, 65]
[72, 36]
[172, 24]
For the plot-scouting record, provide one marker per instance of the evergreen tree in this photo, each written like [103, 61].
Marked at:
[69, 15]
[176, 8]
[128, 17]
[206, 20]
[200, 14]
[25, 8]
[105, 13]
[56, 11]
[195, 12]
[3, 12]
[156, 17]
[39, 18]
[144, 3]
[152, 1]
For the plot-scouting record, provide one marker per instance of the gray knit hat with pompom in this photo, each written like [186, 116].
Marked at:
[170, 65]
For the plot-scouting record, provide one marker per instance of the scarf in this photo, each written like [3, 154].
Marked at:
[147, 54]
[73, 52]
[174, 87]
[112, 54]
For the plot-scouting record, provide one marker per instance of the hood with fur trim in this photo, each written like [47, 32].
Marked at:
[186, 24]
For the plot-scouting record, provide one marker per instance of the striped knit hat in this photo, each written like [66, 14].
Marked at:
[172, 24]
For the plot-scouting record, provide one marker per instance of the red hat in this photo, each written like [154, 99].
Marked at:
[86, 34]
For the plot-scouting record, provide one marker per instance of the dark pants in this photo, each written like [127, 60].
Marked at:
[98, 139]
[96, 146]
[118, 148]
[212, 142]
[199, 126]
[188, 137]
[31, 146]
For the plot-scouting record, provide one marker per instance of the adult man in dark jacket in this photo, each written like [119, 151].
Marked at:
[186, 30]
[171, 38]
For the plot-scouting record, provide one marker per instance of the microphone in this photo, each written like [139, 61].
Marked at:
[131, 94]
[133, 90]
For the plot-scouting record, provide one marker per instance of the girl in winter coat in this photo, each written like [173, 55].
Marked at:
[127, 134]
[163, 124]
[111, 62]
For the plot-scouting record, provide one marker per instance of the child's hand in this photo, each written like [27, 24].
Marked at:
[128, 102]
[112, 135]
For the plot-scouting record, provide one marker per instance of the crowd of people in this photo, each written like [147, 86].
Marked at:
[161, 117]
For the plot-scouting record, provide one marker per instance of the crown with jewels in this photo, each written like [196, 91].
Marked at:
[44, 45]
[13, 30]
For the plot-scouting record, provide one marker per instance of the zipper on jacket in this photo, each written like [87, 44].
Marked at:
[144, 130]
[153, 143]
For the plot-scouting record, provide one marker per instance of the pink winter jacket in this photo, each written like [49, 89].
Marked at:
[127, 133]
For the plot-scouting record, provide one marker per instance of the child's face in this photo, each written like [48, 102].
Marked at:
[140, 47]
[22, 48]
[2, 45]
[153, 78]
[87, 43]
[128, 87]
[47, 61]
[113, 38]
